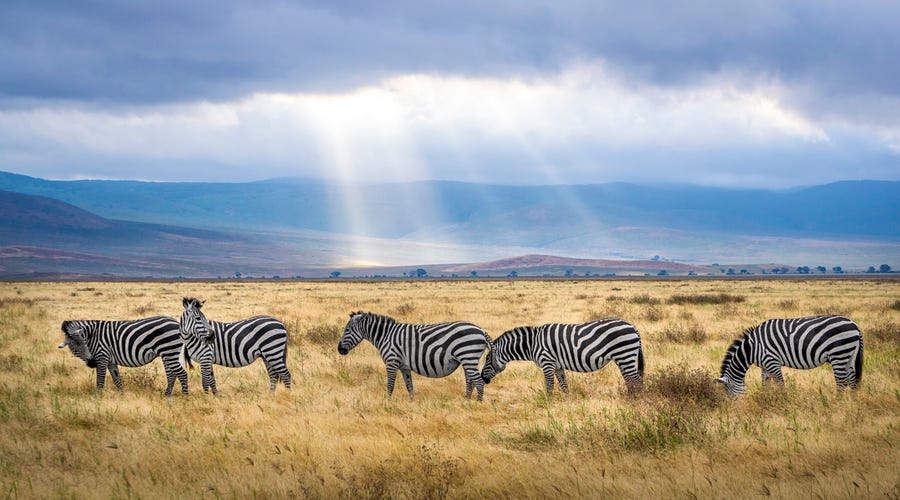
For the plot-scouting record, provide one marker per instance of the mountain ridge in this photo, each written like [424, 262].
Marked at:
[289, 227]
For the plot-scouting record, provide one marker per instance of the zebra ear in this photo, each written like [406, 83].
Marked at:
[185, 302]
[199, 303]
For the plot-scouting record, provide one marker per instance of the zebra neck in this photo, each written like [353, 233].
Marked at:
[738, 359]
[520, 344]
[378, 333]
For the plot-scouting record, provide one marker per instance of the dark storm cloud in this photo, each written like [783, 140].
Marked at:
[139, 52]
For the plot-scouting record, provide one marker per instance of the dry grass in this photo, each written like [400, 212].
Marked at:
[336, 435]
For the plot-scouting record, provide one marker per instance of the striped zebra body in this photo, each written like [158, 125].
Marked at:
[585, 347]
[107, 345]
[234, 344]
[801, 343]
[435, 350]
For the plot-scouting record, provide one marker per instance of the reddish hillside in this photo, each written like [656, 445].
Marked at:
[538, 261]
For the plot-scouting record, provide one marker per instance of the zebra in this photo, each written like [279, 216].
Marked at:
[106, 345]
[434, 350]
[556, 347]
[796, 343]
[233, 344]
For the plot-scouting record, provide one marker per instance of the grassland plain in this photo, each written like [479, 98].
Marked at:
[335, 434]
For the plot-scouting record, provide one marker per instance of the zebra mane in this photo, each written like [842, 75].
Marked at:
[371, 315]
[188, 301]
[732, 349]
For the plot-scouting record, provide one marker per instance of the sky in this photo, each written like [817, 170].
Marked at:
[745, 93]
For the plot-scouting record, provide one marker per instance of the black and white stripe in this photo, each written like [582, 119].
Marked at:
[107, 345]
[585, 347]
[796, 343]
[431, 350]
[234, 344]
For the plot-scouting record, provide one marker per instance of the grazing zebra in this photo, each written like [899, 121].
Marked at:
[431, 350]
[106, 345]
[796, 343]
[233, 344]
[555, 348]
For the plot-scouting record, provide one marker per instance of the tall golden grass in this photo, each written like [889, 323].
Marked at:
[335, 434]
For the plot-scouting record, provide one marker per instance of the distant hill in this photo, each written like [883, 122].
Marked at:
[549, 263]
[294, 226]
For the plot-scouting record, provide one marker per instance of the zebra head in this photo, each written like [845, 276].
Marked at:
[489, 371]
[75, 339]
[353, 333]
[496, 360]
[193, 321]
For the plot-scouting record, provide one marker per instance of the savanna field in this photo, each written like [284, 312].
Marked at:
[335, 434]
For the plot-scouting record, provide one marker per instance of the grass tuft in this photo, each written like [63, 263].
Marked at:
[324, 334]
[706, 298]
[685, 333]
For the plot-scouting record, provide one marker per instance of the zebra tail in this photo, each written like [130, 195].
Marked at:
[858, 363]
[641, 362]
[184, 357]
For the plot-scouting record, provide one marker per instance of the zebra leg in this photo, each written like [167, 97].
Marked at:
[473, 378]
[277, 370]
[114, 371]
[286, 378]
[844, 374]
[209, 379]
[407, 378]
[561, 376]
[174, 370]
[391, 369]
[548, 378]
[101, 374]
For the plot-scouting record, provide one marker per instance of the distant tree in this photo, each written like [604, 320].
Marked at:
[421, 272]
[884, 268]
[513, 274]
[662, 272]
[692, 273]
[837, 270]
[871, 269]
[276, 277]
[821, 269]
[237, 274]
[730, 270]
[784, 270]
[744, 271]
[655, 257]
[803, 270]
[335, 274]
[474, 273]
[568, 272]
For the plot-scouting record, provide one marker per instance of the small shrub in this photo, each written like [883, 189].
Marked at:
[644, 299]
[140, 378]
[787, 304]
[685, 333]
[404, 309]
[143, 309]
[886, 332]
[654, 313]
[896, 305]
[683, 386]
[324, 334]
[706, 298]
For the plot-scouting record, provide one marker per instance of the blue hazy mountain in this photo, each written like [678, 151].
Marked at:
[283, 225]
[855, 208]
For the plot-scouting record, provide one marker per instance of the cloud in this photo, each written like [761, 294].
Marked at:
[758, 92]
[584, 121]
